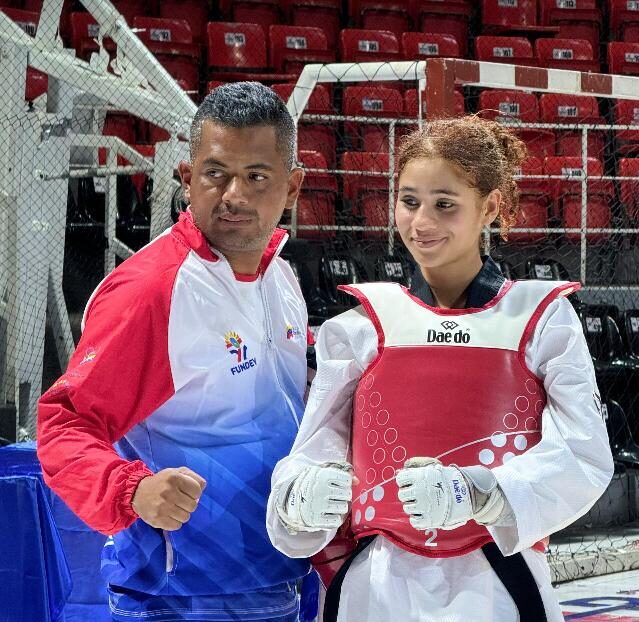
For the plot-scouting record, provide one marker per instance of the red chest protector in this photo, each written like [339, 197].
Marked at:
[451, 384]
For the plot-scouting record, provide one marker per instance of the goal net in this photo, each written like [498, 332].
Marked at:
[578, 220]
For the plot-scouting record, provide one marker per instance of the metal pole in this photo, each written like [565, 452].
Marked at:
[421, 87]
[584, 205]
[391, 187]
[110, 211]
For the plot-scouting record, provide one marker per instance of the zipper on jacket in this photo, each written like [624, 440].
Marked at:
[170, 554]
[269, 339]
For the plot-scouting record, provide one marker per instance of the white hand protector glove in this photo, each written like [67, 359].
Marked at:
[435, 496]
[318, 498]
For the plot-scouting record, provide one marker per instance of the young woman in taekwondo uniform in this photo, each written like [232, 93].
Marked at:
[467, 407]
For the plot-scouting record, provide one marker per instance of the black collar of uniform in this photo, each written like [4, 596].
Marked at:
[482, 289]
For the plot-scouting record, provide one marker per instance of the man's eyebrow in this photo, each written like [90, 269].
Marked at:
[214, 162]
[257, 165]
[261, 165]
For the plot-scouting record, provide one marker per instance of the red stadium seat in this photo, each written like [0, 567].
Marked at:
[566, 108]
[411, 104]
[533, 213]
[513, 50]
[314, 12]
[629, 188]
[540, 143]
[294, 46]
[121, 125]
[213, 84]
[139, 179]
[314, 136]
[132, 8]
[236, 46]
[84, 32]
[571, 109]
[35, 6]
[371, 101]
[193, 11]
[262, 12]
[37, 82]
[569, 167]
[567, 193]
[319, 137]
[505, 104]
[368, 194]
[509, 14]
[624, 20]
[588, 31]
[318, 103]
[501, 103]
[574, 54]
[354, 183]
[27, 20]
[238, 52]
[534, 202]
[623, 58]
[165, 36]
[360, 46]
[626, 112]
[418, 45]
[598, 216]
[381, 15]
[316, 202]
[171, 42]
[577, 19]
[532, 166]
[452, 18]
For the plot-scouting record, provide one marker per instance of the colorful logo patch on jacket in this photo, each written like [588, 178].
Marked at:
[292, 332]
[89, 355]
[238, 348]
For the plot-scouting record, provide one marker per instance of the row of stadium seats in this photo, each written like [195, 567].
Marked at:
[363, 193]
[387, 102]
[570, 18]
[242, 50]
[570, 54]
[544, 202]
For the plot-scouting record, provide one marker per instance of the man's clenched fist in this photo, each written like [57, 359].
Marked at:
[167, 499]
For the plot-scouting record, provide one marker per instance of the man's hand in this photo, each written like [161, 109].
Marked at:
[317, 499]
[167, 499]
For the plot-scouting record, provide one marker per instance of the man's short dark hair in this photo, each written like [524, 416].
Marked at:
[246, 104]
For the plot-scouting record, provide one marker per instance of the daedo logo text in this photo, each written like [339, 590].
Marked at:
[440, 336]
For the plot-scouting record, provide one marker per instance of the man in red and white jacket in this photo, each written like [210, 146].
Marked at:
[192, 363]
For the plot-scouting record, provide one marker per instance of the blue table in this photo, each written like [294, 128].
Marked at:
[49, 560]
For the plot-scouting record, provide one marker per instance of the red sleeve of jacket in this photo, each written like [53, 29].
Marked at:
[118, 375]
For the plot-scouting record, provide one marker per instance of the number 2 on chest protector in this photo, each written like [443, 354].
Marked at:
[431, 538]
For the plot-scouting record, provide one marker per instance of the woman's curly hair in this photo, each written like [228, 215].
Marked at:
[489, 154]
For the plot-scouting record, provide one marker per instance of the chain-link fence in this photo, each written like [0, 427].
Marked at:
[578, 221]
[79, 131]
